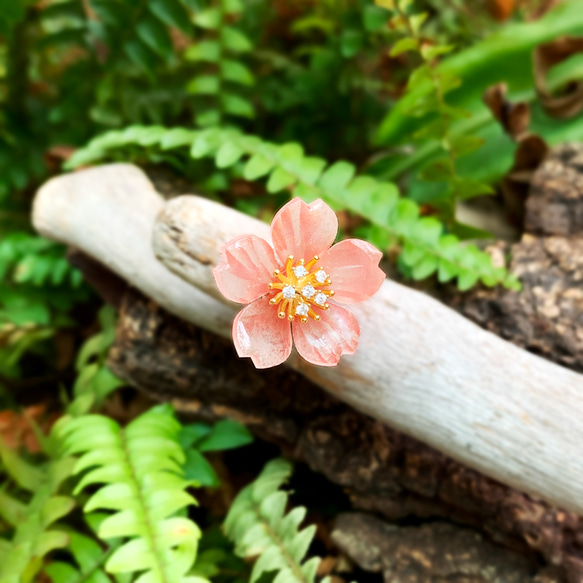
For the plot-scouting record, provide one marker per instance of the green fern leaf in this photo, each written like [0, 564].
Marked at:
[139, 469]
[32, 538]
[393, 219]
[258, 526]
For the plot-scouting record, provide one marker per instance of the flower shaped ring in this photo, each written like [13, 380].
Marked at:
[297, 287]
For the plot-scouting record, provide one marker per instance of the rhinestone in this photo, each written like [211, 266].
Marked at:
[302, 310]
[308, 291]
[321, 276]
[288, 292]
[320, 299]
[300, 271]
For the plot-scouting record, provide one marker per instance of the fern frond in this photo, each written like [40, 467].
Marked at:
[258, 525]
[139, 470]
[426, 248]
[32, 538]
[223, 73]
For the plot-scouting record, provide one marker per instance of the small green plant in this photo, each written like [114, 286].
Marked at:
[95, 381]
[29, 265]
[31, 502]
[260, 527]
[38, 288]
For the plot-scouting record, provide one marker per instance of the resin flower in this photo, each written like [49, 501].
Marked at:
[296, 286]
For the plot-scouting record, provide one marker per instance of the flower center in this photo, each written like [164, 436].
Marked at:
[301, 289]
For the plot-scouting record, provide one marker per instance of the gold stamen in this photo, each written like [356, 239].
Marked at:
[312, 262]
[287, 308]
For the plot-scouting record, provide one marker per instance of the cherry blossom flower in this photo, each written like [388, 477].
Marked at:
[296, 285]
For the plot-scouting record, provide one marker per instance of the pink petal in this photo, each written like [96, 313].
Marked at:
[353, 268]
[260, 334]
[303, 230]
[324, 342]
[246, 269]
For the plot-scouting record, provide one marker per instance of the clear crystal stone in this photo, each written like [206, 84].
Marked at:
[300, 271]
[320, 299]
[302, 310]
[288, 292]
[321, 276]
[308, 291]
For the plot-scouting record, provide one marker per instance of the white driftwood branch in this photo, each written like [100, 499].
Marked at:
[420, 367]
[108, 213]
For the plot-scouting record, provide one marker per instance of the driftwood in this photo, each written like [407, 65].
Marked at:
[421, 367]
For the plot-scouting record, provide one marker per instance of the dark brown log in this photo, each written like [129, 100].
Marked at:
[555, 202]
[436, 552]
[381, 469]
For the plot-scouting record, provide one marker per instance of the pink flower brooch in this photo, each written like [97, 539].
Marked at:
[298, 283]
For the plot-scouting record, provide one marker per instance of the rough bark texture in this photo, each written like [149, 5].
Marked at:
[554, 205]
[546, 317]
[436, 552]
[382, 470]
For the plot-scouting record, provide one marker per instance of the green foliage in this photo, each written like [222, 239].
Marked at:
[426, 249]
[29, 264]
[139, 470]
[315, 83]
[31, 514]
[38, 288]
[88, 558]
[430, 88]
[94, 379]
[217, 560]
[505, 55]
[222, 71]
[197, 438]
[259, 526]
